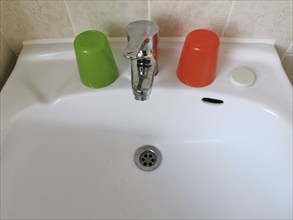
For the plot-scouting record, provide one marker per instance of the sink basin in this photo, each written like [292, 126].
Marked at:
[68, 151]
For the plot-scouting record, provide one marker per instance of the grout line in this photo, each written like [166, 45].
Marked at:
[149, 10]
[287, 52]
[162, 39]
[70, 18]
[228, 18]
[248, 40]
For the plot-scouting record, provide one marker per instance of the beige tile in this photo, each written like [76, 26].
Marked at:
[262, 19]
[7, 57]
[288, 66]
[32, 19]
[0, 13]
[290, 48]
[109, 17]
[178, 18]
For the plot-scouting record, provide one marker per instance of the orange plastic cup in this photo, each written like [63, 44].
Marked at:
[198, 61]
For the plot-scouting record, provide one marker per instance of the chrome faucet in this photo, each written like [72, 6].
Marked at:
[142, 50]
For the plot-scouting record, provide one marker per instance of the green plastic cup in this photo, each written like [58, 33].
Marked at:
[95, 61]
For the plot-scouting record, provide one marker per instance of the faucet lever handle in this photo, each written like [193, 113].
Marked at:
[137, 33]
[134, 44]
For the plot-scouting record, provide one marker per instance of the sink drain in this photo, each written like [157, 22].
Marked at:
[147, 158]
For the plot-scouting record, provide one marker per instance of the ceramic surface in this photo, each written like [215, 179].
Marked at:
[68, 151]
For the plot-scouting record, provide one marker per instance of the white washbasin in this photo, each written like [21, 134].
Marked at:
[68, 151]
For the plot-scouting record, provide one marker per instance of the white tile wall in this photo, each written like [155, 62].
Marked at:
[178, 18]
[110, 17]
[32, 19]
[262, 19]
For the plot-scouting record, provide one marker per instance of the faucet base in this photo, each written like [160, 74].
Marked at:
[141, 95]
[141, 98]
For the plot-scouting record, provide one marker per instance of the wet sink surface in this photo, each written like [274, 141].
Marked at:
[68, 151]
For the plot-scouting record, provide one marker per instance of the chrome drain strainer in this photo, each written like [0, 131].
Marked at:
[147, 158]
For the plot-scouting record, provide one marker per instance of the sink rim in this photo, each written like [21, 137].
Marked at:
[82, 157]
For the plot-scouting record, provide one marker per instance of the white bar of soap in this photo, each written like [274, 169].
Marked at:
[242, 77]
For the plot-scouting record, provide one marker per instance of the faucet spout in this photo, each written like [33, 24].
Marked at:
[142, 50]
[143, 72]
